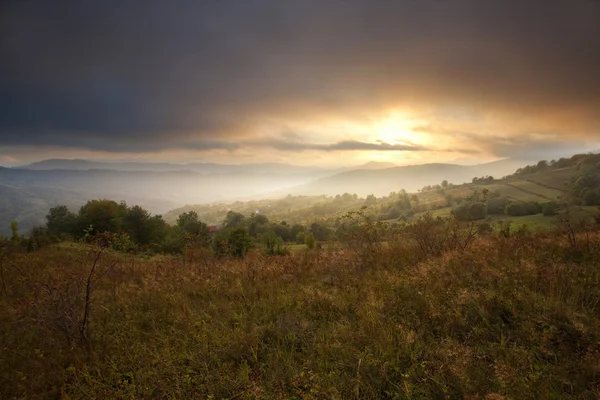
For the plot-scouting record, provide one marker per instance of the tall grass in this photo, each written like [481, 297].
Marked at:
[515, 317]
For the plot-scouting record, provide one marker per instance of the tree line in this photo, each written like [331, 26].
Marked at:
[133, 228]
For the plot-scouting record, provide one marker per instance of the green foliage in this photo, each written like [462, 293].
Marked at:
[470, 211]
[591, 197]
[220, 243]
[14, 231]
[523, 208]
[61, 222]
[309, 241]
[550, 208]
[122, 242]
[300, 237]
[239, 242]
[234, 220]
[102, 215]
[274, 244]
[497, 205]
[235, 242]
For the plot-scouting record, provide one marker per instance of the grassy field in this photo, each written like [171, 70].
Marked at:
[557, 179]
[515, 317]
[515, 193]
[534, 188]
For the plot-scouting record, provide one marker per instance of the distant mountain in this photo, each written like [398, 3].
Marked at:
[377, 165]
[27, 193]
[411, 178]
[204, 168]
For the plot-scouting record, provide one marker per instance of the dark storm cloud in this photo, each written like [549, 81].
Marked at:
[145, 75]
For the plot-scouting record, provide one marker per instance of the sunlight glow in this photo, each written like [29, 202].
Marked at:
[396, 129]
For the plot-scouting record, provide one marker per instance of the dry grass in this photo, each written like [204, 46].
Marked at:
[513, 317]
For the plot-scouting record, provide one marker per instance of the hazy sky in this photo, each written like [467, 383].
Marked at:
[300, 81]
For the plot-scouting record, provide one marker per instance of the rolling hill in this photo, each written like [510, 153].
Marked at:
[28, 193]
[381, 182]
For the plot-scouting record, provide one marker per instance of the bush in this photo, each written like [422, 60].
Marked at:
[550, 209]
[309, 240]
[470, 211]
[521, 209]
[234, 242]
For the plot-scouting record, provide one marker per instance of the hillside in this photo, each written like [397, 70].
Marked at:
[552, 184]
[29, 193]
[381, 182]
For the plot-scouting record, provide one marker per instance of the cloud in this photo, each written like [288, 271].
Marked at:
[142, 76]
[524, 145]
[346, 145]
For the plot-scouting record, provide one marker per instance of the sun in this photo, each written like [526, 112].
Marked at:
[396, 128]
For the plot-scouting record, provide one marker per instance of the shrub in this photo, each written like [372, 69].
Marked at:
[309, 240]
[550, 208]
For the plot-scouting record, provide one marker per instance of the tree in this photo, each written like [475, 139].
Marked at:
[135, 222]
[190, 223]
[470, 211]
[234, 219]
[444, 183]
[592, 197]
[320, 231]
[550, 208]
[257, 223]
[102, 215]
[60, 221]
[14, 229]
[195, 231]
[370, 200]
[232, 242]
[309, 240]
[515, 209]
[239, 242]
[273, 243]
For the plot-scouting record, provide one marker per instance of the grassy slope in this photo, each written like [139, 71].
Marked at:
[541, 187]
[516, 316]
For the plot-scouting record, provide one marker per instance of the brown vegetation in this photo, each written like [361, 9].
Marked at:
[516, 316]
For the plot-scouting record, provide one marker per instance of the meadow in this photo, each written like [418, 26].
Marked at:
[436, 312]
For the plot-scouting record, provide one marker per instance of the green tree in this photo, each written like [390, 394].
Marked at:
[257, 223]
[60, 221]
[14, 230]
[515, 209]
[273, 243]
[102, 215]
[370, 200]
[550, 208]
[309, 240]
[239, 242]
[592, 197]
[195, 231]
[136, 222]
[234, 219]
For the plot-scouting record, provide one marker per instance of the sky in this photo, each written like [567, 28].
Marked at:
[310, 82]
